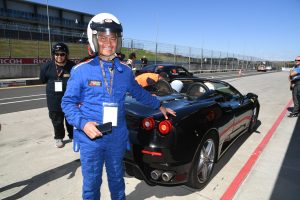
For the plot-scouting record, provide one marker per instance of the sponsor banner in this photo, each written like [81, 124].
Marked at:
[27, 61]
[12, 83]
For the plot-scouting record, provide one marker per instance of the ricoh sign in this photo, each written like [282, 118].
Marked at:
[27, 61]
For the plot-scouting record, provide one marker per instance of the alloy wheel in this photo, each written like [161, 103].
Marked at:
[206, 160]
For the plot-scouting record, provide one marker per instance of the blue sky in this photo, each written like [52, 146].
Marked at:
[267, 29]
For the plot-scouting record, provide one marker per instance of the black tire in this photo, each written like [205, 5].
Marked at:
[203, 163]
[254, 118]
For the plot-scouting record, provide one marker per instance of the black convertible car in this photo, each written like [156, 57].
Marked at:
[210, 115]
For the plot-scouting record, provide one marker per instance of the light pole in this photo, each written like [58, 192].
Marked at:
[80, 40]
[49, 30]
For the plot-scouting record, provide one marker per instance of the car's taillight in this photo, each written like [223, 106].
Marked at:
[165, 127]
[148, 123]
[152, 153]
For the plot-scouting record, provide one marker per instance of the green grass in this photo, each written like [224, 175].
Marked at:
[30, 48]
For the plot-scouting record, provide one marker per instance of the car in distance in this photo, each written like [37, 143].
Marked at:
[261, 68]
[269, 68]
[210, 115]
[173, 71]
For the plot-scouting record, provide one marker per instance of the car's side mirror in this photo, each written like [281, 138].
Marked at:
[251, 95]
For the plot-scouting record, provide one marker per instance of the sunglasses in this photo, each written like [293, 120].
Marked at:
[60, 54]
[297, 60]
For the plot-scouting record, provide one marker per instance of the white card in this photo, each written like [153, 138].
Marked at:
[110, 114]
[58, 86]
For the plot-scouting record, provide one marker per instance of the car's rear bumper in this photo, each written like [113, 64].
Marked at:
[142, 170]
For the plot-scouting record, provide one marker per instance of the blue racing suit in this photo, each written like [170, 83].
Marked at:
[83, 102]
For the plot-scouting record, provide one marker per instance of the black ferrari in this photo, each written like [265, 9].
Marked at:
[210, 115]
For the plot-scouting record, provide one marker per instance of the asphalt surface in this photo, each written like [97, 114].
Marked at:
[22, 98]
[32, 168]
[31, 95]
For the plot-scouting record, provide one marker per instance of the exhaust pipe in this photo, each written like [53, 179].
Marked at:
[167, 176]
[155, 174]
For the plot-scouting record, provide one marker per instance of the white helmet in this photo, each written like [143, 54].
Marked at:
[177, 85]
[104, 22]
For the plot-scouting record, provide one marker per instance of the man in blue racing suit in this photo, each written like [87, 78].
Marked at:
[95, 95]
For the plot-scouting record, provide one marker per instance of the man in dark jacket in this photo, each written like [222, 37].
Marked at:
[56, 74]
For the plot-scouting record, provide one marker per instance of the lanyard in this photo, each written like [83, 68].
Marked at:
[59, 72]
[108, 89]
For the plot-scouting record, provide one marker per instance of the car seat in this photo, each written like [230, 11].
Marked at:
[196, 90]
[210, 85]
[163, 88]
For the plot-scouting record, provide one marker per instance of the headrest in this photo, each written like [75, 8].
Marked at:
[210, 85]
[177, 85]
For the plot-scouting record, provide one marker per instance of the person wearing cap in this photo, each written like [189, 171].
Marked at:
[99, 86]
[55, 74]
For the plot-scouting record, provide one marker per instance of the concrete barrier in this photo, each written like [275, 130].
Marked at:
[19, 71]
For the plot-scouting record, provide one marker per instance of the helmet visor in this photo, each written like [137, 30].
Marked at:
[107, 28]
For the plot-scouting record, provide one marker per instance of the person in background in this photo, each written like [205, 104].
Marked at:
[56, 74]
[91, 54]
[99, 86]
[144, 61]
[131, 60]
[157, 84]
[148, 79]
[121, 57]
[295, 87]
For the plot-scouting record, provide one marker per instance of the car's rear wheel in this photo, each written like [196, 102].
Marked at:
[204, 163]
[254, 118]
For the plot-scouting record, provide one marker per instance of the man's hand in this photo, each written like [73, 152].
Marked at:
[293, 73]
[91, 130]
[164, 111]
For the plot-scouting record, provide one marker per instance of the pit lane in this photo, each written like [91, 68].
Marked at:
[26, 143]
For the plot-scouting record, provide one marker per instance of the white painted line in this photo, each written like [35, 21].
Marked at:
[16, 87]
[22, 97]
[21, 101]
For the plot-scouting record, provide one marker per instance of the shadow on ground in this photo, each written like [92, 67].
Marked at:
[287, 185]
[42, 179]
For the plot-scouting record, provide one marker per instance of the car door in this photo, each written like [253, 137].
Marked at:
[239, 107]
[224, 100]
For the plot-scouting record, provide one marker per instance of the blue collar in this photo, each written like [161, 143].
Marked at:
[115, 64]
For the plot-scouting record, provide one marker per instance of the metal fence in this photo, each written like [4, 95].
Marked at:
[16, 43]
[193, 58]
